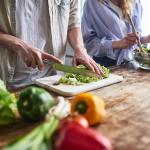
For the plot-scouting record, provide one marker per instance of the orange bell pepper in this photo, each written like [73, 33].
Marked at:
[90, 106]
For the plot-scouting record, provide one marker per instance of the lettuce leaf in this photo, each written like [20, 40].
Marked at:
[75, 79]
[7, 105]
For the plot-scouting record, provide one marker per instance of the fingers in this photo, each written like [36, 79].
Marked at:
[134, 36]
[90, 64]
[28, 60]
[130, 42]
[33, 57]
[131, 39]
[97, 67]
[74, 62]
[39, 61]
[51, 58]
[33, 64]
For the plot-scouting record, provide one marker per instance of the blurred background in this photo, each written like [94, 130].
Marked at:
[145, 25]
[146, 17]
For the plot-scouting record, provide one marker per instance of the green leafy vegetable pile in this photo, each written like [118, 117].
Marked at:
[41, 137]
[143, 59]
[146, 49]
[75, 79]
[7, 105]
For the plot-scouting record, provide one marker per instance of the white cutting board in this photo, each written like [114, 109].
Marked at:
[71, 90]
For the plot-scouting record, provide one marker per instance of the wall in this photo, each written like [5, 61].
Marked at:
[146, 18]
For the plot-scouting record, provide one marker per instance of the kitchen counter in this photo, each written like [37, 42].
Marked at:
[128, 113]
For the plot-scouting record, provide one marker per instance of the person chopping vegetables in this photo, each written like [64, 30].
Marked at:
[34, 30]
[107, 32]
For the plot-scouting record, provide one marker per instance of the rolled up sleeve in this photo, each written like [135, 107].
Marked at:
[74, 16]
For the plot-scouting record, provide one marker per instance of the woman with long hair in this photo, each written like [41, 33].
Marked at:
[107, 32]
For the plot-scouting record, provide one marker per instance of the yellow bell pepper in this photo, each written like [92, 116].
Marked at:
[90, 106]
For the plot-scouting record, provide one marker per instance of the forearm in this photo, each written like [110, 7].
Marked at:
[10, 41]
[116, 45]
[75, 39]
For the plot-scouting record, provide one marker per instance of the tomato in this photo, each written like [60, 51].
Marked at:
[77, 119]
[81, 120]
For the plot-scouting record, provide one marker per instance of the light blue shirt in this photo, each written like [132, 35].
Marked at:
[101, 25]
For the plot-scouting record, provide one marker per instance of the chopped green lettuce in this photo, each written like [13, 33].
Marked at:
[75, 79]
[7, 105]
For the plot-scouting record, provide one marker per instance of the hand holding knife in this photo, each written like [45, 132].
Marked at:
[71, 69]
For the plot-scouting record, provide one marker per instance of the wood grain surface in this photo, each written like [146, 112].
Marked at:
[128, 113]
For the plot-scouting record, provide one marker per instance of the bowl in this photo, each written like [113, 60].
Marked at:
[142, 59]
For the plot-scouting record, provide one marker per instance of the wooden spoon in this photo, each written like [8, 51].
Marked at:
[134, 30]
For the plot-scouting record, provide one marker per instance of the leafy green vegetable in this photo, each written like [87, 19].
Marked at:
[34, 103]
[7, 105]
[2, 86]
[75, 79]
[38, 139]
[143, 59]
[41, 137]
[146, 49]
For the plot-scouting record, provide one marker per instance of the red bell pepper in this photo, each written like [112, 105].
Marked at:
[76, 137]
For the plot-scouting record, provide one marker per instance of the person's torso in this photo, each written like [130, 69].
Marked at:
[60, 14]
[33, 27]
[118, 10]
[107, 22]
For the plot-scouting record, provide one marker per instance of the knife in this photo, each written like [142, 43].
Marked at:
[71, 69]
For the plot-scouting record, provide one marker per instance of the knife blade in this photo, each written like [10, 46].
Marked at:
[74, 70]
[71, 69]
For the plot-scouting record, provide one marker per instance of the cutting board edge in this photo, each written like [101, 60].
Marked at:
[64, 93]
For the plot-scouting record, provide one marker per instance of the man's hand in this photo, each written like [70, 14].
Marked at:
[80, 54]
[81, 57]
[129, 40]
[33, 57]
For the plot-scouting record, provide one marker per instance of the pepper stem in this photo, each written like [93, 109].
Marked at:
[81, 107]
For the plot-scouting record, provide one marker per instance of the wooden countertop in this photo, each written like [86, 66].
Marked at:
[128, 113]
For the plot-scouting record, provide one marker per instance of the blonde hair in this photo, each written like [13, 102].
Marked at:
[126, 7]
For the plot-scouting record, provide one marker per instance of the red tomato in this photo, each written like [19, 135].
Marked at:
[81, 120]
[76, 119]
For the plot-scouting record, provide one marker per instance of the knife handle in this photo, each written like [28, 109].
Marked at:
[47, 62]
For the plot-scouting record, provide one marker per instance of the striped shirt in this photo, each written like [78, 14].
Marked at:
[101, 25]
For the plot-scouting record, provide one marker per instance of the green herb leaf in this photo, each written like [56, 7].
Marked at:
[7, 105]
[75, 79]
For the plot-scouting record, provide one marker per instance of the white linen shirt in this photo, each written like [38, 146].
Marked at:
[32, 26]
[63, 15]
